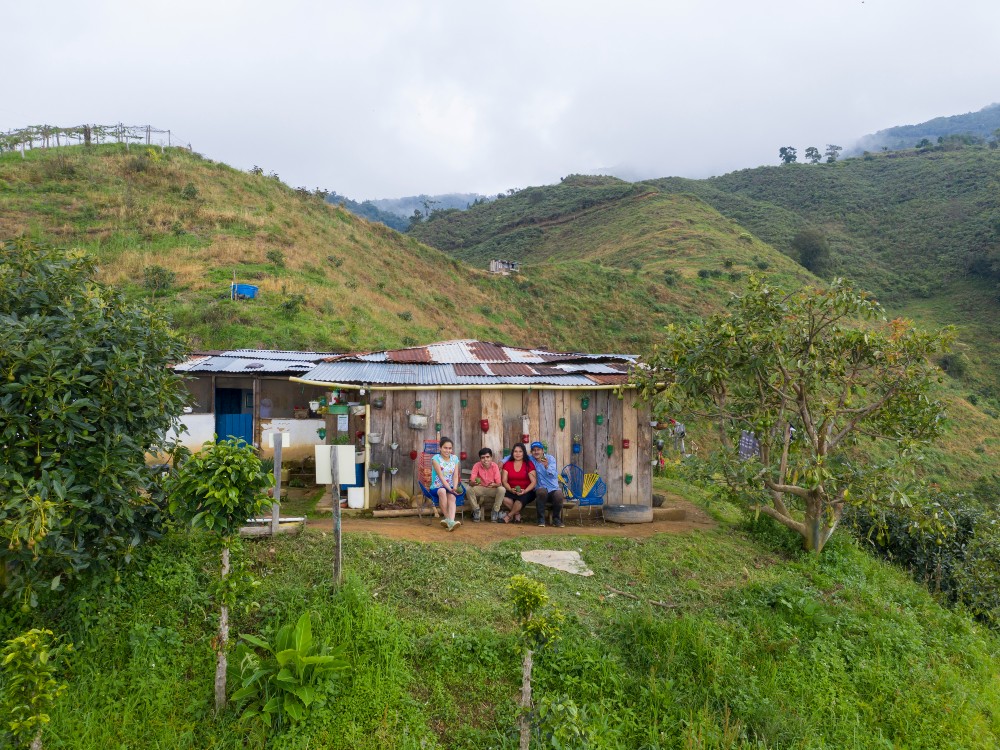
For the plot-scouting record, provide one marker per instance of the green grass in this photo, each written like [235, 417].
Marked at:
[759, 646]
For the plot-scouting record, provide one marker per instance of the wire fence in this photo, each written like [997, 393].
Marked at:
[51, 136]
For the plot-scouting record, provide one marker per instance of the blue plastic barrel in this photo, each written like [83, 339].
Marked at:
[244, 291]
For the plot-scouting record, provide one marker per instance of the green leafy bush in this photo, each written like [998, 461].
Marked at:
[29, 686]
[280, 686]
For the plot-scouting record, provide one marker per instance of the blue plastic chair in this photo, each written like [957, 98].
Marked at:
[433, 498]
[586, 490]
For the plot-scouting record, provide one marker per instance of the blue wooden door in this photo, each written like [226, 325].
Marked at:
[230, 422]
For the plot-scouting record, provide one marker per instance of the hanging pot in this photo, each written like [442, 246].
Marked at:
[374, 438]
[393, 446]
[378, 403]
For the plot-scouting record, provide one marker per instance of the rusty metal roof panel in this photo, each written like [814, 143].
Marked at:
[616, 379]
[415, 354]
[469, 369]
[484, 351]
[245, 366]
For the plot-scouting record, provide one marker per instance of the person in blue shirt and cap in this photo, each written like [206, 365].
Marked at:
[547, 487]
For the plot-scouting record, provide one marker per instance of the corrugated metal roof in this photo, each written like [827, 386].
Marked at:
[477, 352]
[513, 369]
[415, 374]
[252, 361]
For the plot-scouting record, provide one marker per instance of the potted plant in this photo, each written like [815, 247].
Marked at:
[374, 470]
[393, 470]
[576, 443]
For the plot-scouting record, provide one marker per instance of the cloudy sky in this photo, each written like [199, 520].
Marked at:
[379, 99]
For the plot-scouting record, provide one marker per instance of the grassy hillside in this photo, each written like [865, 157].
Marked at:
[329, 280]
[752, 645]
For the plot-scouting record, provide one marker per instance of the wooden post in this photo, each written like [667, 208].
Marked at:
[524, 720]
[220, 664]
[276, 505]
[168, 137]
[337, 549]
[147, 135]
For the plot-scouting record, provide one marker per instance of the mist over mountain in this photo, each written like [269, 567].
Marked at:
[982, 124]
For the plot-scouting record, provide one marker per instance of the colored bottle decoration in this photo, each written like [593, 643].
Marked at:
[437, 427]
[463, 455]
[465, 402]
[562, 423]
[418, 405]
[625, 443]
[628, 479]
[585, 403]
[413, 455]
[600, 419]
[577, 447]
[484, 425]
[322, 433]
[610, 449]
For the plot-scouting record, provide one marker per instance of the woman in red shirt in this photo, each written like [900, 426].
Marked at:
[518, 478]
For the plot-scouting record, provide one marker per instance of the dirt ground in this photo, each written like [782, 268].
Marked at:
[676, 516]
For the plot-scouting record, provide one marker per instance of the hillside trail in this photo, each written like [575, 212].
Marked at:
[677, 516]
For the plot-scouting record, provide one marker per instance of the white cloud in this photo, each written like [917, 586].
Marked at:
[387, 98]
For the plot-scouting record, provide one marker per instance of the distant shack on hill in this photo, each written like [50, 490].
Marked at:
[505, 267]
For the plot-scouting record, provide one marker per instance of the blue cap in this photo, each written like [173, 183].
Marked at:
[536, 444]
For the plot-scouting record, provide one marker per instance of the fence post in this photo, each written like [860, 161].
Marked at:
[147, 135]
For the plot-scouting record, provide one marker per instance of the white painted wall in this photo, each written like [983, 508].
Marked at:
[302, 433]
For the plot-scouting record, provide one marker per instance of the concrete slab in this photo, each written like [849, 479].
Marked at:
[566, 561]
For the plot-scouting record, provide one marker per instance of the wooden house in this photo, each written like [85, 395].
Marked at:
[482, 394]
[245, 392]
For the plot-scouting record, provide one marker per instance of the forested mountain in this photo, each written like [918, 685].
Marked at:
[919, 228]
[401, 213]
[982, 124]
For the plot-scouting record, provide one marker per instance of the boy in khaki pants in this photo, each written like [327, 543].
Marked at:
[485, 483]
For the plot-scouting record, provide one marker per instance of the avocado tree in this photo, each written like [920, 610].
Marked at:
[828, 397]
[86, 390]
[538, 623]
[217, 490]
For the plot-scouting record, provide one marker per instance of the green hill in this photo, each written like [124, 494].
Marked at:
[920, 229]
[178, 228]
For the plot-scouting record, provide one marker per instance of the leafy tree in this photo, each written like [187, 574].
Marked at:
[85, 392]
[924, 144]
[415, 219]
[787, 154]
[813, 155]
[812, 250]
[538, 624]
[29, 688]
[816, 387]
[832, 152]
[218, 489]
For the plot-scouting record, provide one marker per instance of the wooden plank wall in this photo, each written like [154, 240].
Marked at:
[504, 410]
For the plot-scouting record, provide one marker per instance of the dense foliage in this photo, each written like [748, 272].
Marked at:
[86, 391]
[800, 388]
[954, 549]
